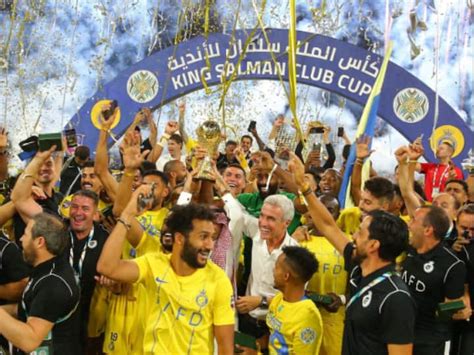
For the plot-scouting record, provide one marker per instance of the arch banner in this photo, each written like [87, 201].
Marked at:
[406, 103]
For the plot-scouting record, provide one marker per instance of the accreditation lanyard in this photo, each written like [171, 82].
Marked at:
[440, 178]
[368, 287]
[83, 253]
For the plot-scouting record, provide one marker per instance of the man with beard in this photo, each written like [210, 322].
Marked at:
[377, 194]
[175, 171]
[294, 321]
[195, 299]
[90, 182]
[380, 313]
[70, 181]
[87, 240]
[47, 314]
[269, 235]
[459, 190]
[39, 176]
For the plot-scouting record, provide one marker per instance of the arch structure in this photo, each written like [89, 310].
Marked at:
[406, 103]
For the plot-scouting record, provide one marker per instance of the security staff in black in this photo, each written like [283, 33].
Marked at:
[13, 275]
[48, 312]
[86, 242]
[434, 274]
[380, 313]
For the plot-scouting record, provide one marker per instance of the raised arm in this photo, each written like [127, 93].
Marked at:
[58, 158]
[261, 144]
[322, 218]
[7, 211]
[132, 160]
[170, 128]
[362, 153]
[110, 263]
[329, 149]
[21, 193]
[407, 161]
[101, 165]
[181, 121]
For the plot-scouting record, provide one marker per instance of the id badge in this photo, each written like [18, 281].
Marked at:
[435, 191]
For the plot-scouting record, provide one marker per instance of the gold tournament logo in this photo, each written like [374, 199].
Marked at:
[201, 299]
[96, 114]
[142, 86]
[448, 133]
[411, 105]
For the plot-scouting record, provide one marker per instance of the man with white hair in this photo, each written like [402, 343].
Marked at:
[269, 235]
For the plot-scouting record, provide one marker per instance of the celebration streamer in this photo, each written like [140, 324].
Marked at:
[292, 69]
[366, 127]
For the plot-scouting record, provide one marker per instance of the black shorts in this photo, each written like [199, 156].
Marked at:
[252, 326]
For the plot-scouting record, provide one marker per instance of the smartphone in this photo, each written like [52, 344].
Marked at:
[108, 113]
[47, 140]
[252, 126]
[108, 211]
[71, 138]
[315, 130]
[144, 201]
[317, 147]
[340, 131]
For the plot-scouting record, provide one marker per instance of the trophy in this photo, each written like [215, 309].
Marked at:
[285, 141]
[209, 137]
[468, 163]
[314, 140]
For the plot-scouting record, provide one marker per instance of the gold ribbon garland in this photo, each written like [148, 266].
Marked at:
[292, 69]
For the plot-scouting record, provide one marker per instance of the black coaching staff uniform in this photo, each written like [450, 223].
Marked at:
[380, 313]
[434, 274]
[48, 312]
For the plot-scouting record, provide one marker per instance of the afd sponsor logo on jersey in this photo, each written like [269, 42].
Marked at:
[412, 281]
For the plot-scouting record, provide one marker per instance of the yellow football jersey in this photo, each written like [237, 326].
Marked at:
[183, 310]
[125, 321]
[330, 277]
[295, 327]
[349, 220]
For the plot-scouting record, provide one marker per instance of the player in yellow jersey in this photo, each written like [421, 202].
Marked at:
[125, 320]
[294, 321]
[190, 301]
[330, 279]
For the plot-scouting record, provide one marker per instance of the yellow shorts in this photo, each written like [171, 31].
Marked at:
[332, 336]
[98, 311]
[126, 322]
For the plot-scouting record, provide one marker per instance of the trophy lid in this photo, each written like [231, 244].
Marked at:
[209, 129]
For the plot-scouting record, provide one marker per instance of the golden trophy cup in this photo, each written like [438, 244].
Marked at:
[209, 137]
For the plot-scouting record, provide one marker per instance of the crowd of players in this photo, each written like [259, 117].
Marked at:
[258, 256]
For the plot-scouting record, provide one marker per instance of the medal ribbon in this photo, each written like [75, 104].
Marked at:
[368, 287]
[83, 253]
